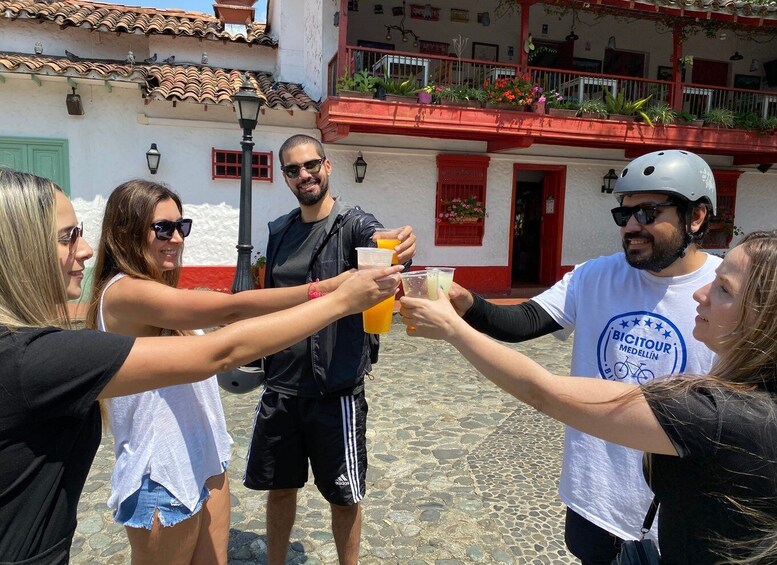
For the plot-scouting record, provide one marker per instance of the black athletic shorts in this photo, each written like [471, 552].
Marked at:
[327, 431]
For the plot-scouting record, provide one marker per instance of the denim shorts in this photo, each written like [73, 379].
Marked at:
[137, 511]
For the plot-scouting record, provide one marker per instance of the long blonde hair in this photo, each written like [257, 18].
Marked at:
[748, 365]
[123, 239]
[32, 289]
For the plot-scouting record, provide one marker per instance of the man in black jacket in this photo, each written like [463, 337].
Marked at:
[313, 408]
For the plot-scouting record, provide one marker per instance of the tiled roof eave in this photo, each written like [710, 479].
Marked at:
[183, 82]
[125, 19]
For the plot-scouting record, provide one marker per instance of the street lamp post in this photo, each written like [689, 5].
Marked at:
[247, 105]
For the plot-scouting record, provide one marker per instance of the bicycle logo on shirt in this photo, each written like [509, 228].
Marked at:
[639, 346]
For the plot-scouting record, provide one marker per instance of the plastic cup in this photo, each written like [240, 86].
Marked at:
[387, 239]
[420, 284]
[444, 277]
[376, 320]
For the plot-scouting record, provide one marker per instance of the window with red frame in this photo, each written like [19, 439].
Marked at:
[228, 165]
[722, 225]
[461, 177]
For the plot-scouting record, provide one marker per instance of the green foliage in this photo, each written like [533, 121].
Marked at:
[406, 87]
[594, 107]
[458, 92]
[661, 114]
[620, 105]
[360, 82]
[687, 117]
[259, 259]
[749, 121]
[720, 117]
[769, 125]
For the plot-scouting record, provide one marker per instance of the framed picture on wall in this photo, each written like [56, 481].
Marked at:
[587, 65]
[432, 47]
[485, 51]
[664, 73]
[748, 82]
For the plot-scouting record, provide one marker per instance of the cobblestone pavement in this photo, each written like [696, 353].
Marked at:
[460, 472]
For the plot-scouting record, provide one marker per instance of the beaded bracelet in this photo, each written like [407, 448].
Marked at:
[313, 293]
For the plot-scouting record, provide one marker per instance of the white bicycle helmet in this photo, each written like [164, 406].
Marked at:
[671, 171]
[243, 379]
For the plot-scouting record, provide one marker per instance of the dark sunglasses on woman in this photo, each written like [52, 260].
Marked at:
[71, 237]
[164, 229]
[312, 166]
[644, 213]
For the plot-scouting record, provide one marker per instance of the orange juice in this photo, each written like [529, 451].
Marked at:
[389, 244]
[377, 320]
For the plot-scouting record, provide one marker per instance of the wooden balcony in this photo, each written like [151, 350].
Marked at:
[505, 129]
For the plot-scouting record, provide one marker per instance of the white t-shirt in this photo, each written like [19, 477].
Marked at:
[177, 434]
[631, 326]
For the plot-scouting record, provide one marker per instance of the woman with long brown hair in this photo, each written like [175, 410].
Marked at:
[169, 484]
[51, 376]
[710, 441]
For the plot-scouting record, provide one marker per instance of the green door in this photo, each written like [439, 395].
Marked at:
[43, 157]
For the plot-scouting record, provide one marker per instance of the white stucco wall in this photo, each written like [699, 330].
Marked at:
[107, 146]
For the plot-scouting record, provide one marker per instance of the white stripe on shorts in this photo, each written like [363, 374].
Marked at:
[348, 410]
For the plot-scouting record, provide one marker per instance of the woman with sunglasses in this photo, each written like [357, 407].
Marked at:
[710, 442]
[51, 376]
[169, 485]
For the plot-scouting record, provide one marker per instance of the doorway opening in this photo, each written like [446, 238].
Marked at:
[537, 227]
[527, 218]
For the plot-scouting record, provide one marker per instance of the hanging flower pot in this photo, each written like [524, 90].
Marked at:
[424, 97]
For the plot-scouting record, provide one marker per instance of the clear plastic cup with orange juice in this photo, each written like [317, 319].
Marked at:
[387, 239]
[377, 320]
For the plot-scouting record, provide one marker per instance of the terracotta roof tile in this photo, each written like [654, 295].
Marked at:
[41, 65]
[210, 85]
[200, 84]
[131, 19]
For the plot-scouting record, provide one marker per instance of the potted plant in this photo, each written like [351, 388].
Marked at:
[690, 119]
[768, 125]
[661, 114]
[360, 85]
[557, 105]
[621, 109]
[398, 90]
[460, 95]
[593, 108]
[258, 268]
[749, 121]
[462, 211]
[719, 118]
[426, 94]
[511, 93]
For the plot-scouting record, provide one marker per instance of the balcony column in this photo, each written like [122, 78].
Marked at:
[677, 71]
[523, 56]
[342, 40]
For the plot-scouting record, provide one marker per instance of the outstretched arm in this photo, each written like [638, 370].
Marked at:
[155, 362]
[513, 323]
[137, 302]
[591, 405]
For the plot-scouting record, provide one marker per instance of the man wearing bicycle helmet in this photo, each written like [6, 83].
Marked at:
[635, 317]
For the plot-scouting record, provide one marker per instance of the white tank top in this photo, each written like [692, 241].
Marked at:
[176, 434]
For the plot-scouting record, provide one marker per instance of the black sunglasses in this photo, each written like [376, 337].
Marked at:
[71, 237]
[164, 229]
[312, 166]
[644, 213]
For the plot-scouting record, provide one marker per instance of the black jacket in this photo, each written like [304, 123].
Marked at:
[341, 351]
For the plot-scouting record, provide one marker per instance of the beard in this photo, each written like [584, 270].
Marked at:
[313, 198]
[663, 254]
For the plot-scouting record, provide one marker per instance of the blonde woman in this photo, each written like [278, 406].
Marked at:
[51, 377]
[710, 441]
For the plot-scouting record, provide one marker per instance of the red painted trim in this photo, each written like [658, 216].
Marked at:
[487, 280]
[450, 122]
[212, 278]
